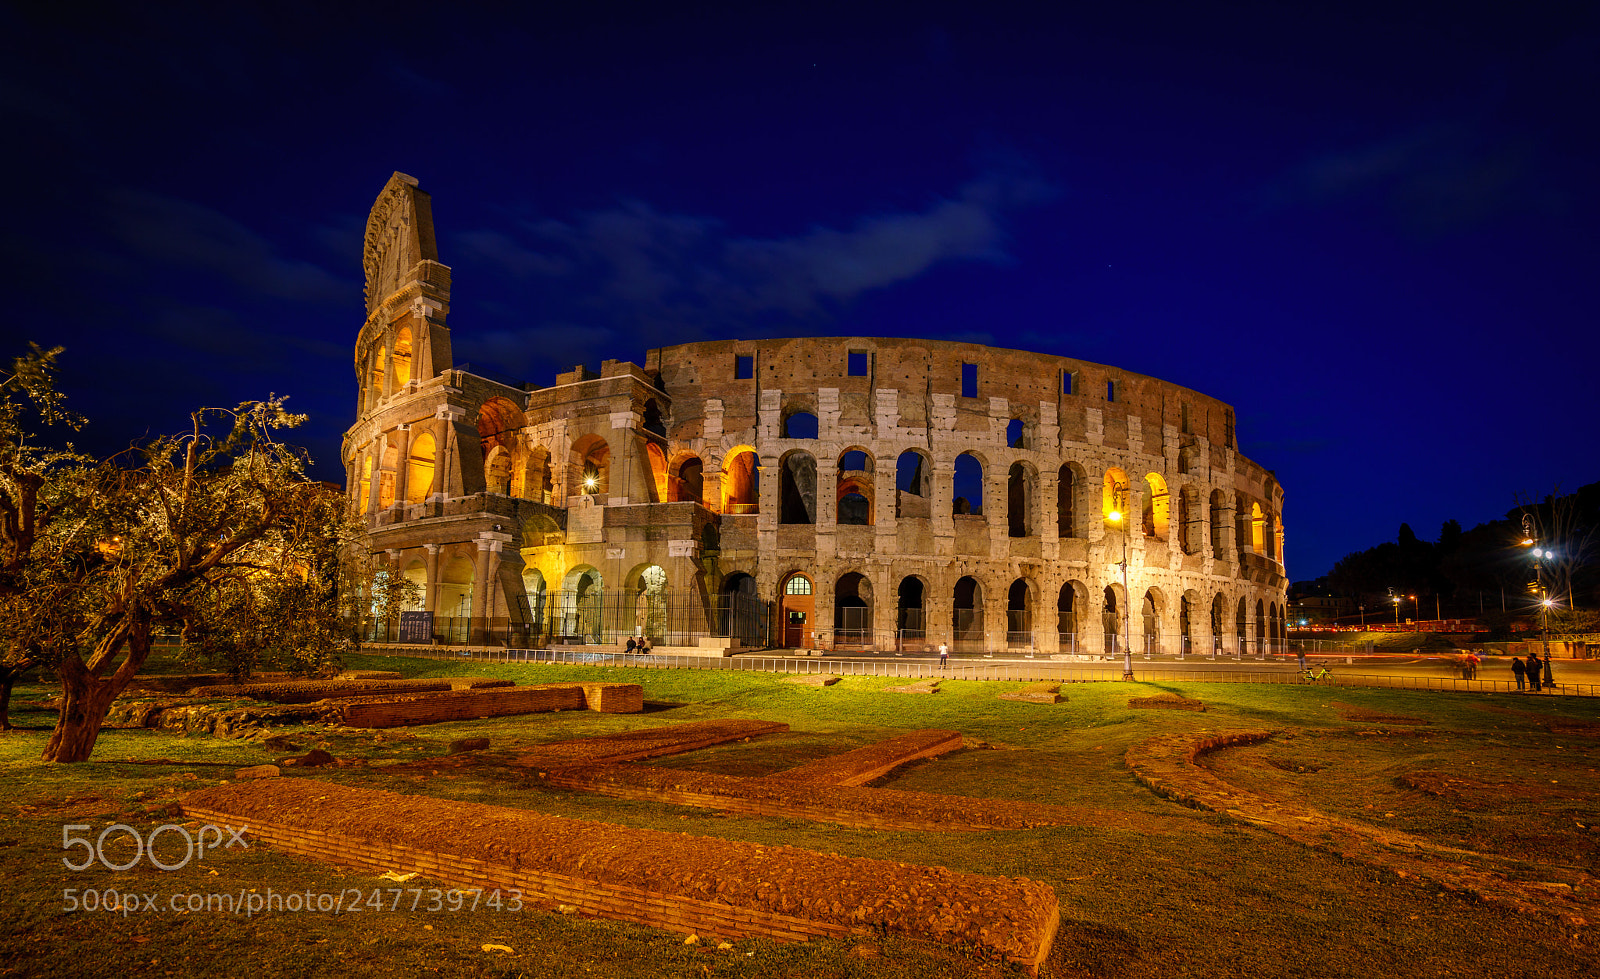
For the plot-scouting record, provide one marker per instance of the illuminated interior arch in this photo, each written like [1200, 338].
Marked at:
[1114, 495]
[400, 362]
[741, 477]
[419, 469]
[1157, 506]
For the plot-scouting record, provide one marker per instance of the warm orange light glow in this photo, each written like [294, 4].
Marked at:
[1115, 516]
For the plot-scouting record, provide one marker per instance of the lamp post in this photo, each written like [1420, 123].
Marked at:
[1116, 517]
[1540, 556]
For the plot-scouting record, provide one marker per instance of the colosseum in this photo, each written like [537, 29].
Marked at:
[841, 493]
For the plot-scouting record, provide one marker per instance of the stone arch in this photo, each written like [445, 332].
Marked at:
[688, 480]
[852, 610]
[911, 609]
[797, 495]
[455, 588]
[420, 468]
[1111, 600]
[1152, 615]
[376, 372]
[537, 484]
[400, 360]
[416, 572]
[1188, 620]
[646, 613]
[581, 605]
[740, 612]
[1114, 496]
[1241, 626]
[534, 598]
[1071, 602]
[854, 490]
[966, 491]
[364, 499]
[1157, 507]
[1258, 529]
[1257, 634]
[796, 609]
[966, 625]
[1069, 499]
[913, 484]
[799, 424]
[741, 481]
[1022, 489]
[1219, 622]
[1022, 602]
[386, 473]
[497, 471]
[589, 464]
[1017, 434]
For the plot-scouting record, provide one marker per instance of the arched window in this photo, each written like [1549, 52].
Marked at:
[913, 485]
[1258, 529]
[1016, 434]
[1114, 497]
[1156, 507]
[1021, 484]
[402, 357]
[741, 482]
[690, 484]
[419, 470]
[800, 425]
[967, 493]
[854, 491]
[798, 585]
[497, 471]
[1066, 502]
[1219, 521]
[797, 503]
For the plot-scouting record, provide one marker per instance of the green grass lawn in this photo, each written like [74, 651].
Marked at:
[1147, 887]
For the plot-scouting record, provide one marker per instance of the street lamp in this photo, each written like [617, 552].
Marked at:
[1540, 556]
[1115, 516]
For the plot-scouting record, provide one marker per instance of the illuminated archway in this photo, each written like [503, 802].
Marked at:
[741, 477]
[1157, 506]
[1114, 495]
[419, 469]
[797, 608]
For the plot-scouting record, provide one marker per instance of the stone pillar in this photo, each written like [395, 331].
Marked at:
[402, 467]
[943, 522]
[431, 563]
[375, 452]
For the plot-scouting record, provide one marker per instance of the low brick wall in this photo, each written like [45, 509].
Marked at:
[472, 705]
[864, 764]
[673, 881]
[842, 805]
[650, 742]
[308, 691]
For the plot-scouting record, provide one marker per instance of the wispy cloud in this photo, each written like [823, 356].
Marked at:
[181, 233]
[632, 271]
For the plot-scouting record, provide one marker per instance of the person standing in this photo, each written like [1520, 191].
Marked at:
[1534, 666]
[944, 655]
[1518, 671]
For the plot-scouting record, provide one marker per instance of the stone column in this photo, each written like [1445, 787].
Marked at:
[402, 467]
[430, 600]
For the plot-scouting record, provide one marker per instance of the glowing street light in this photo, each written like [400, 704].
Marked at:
[1115, 517]
[1540, 556]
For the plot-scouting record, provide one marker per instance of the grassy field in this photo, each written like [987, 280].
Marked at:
[1147, 887]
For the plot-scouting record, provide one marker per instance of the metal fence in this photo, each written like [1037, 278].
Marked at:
[666, 618]
[961, 669]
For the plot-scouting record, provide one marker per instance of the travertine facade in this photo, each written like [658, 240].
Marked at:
[831, 492]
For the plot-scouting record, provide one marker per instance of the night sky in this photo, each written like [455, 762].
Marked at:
[1373, 233]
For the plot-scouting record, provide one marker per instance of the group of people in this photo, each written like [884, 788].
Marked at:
[1532, 670]
[637, 644]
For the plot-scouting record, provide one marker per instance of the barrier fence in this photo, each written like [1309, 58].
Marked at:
[960, 669]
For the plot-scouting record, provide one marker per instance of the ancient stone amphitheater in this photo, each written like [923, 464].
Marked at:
[832, 493]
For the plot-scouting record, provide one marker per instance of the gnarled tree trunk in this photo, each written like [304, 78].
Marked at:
[86, 697]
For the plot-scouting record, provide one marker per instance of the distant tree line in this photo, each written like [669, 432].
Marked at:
[1487, 572]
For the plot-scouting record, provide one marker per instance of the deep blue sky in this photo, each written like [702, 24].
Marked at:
[1374, 233]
